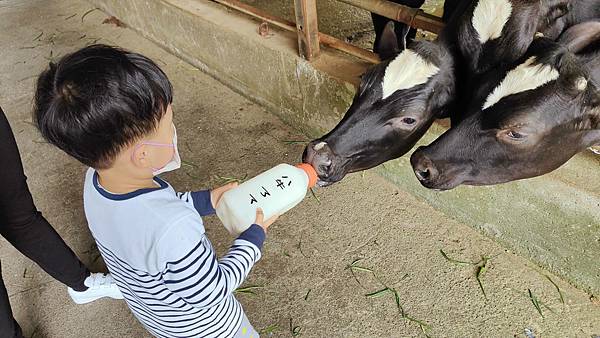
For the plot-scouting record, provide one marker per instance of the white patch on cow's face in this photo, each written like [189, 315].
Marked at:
[407, 70]
[490, 17]
[526, 76]
[319, 146]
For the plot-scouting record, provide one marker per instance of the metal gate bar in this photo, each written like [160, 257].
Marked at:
[309, 37]
[325, 39]
[414, 17]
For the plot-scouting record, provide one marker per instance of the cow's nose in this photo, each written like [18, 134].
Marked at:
[319, 154]
[424, 167]
[422, 174]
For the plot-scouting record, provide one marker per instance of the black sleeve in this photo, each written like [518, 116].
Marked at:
[24, 226]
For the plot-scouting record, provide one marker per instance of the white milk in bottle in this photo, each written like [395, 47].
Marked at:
[275, 191]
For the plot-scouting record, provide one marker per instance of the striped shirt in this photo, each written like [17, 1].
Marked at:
[154, 245]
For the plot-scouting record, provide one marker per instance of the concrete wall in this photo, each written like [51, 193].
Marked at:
[554, 220]
[227, 46]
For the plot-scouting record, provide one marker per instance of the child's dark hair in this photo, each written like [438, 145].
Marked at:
[96, 101]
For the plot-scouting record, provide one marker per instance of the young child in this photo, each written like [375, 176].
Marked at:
[111, 110]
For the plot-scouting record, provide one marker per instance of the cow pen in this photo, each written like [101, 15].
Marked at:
[309, 37]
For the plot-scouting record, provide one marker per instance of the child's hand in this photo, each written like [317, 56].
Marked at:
[217, 193]
[260, 219]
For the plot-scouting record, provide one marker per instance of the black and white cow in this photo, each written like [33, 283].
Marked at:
[395, 104]
[530, 120]
[398, 99]
[575, 11]
[403, 32]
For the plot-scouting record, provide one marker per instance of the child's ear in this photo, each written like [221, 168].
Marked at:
[139, 156]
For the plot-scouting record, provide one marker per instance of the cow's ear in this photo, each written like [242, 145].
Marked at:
[577, 38]
[388, 44]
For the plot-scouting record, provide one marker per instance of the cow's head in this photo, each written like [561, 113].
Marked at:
[543, 111]
[395, 104]
[493, 32]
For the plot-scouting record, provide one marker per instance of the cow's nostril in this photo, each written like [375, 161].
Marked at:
[423, 174]
[424, 168]
[324, 168]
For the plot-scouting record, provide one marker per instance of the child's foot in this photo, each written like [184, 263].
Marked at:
[99, 285]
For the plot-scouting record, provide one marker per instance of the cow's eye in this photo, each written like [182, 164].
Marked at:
[402, 123]
[409, 121]
[515, 135]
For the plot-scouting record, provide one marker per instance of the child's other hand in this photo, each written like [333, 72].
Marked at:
[217, 193]
[260, 219]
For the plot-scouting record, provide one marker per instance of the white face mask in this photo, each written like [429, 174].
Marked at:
[174, 163]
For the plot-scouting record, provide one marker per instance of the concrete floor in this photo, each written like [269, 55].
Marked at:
[303, 276]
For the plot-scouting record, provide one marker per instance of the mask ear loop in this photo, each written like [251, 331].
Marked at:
[154, 144]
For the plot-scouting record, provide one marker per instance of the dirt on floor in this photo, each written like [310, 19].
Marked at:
[361, 259]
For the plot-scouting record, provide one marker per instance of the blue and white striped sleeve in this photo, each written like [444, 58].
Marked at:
[200, 200]
[192, 270]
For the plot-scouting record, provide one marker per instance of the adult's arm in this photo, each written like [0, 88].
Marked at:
[24, 226]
